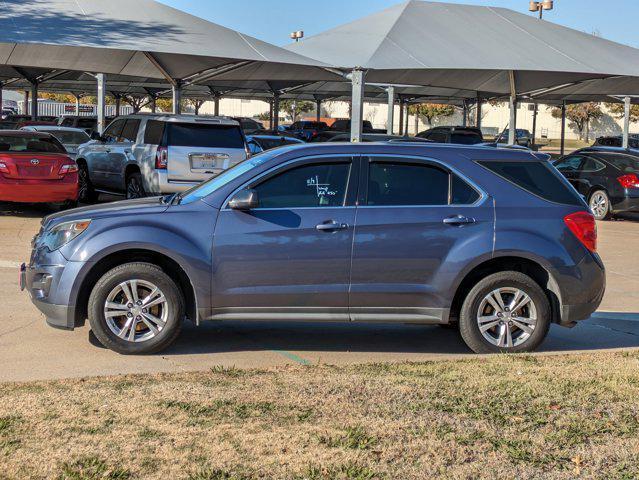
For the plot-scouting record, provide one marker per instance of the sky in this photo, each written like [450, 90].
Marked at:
[273, 20]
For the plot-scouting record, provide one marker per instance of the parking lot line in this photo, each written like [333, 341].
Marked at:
[292, 356]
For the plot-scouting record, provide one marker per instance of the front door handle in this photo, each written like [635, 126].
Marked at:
[458, 220]
[331, 226]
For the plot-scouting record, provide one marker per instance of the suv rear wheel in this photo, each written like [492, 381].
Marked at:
[134, 186]
[136, 309]
[505, 312]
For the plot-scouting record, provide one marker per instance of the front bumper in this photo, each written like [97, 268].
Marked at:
[50, 287]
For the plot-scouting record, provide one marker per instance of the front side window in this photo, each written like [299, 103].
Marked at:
[113, 131]
[406, 184]
[569, 164]
[312, 185]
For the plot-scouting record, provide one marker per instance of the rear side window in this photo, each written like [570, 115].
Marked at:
[537, 178]
[154, 132]
[407, 184]
[205, 136]
[462, 193]
[625, 163]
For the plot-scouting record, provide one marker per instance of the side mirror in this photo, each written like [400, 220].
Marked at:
[244, 200]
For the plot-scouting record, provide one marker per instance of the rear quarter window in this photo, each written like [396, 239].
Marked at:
[537, 178]
[205, 136]
[154, 132]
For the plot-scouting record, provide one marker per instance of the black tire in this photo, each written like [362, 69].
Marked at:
[86, 193]
[599, 204]
[134, 186]
[142, 272]
[468, 321]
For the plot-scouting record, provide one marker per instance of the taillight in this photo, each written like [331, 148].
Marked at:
[314, 133]
[629, 181]
[583, 226]
[162, 158]
[70, 168]
[4, 168]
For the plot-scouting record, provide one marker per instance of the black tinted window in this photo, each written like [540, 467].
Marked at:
[537, 178]
[439, 137]
[463, 194]
[406, 184]
[625, 163]
[317, 185]
[207, 136]
[86, 123]
[153, 132]
[465, 138]
[130, 130]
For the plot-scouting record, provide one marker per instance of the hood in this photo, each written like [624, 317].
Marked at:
[145, 206]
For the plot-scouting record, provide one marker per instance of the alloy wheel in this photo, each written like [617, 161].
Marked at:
[134, 188]
[83, 181]
[507, 317]
[599, 205]
[136, 310]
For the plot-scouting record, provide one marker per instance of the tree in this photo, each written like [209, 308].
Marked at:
[430, 111]
[136, 101]
[164, 104]
[196, 103]
[618, 111]
[295, 107]
[580, 115]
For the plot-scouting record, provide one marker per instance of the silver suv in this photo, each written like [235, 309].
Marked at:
[141, 155]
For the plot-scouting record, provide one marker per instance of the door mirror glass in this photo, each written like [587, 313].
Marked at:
[244, 200]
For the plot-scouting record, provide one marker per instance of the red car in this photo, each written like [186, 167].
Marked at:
[35, 168]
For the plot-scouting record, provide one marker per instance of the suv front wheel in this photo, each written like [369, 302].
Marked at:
[505, 312]
[136, 309]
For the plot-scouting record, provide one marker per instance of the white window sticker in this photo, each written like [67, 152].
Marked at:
[322, 189]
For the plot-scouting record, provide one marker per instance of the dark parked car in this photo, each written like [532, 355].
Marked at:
[617, 141]
[608, 179]
[378, 137]
[343, 126]
[494, 240]
[523, 137]
[306, 130]
[456, 135]
[261, 143]
[87, 123]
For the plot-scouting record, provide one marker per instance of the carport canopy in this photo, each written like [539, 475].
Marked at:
[483, 49]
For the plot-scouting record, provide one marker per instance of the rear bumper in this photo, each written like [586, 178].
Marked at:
[585, 291]
[41, 191]
[626, 204]
[159, 183]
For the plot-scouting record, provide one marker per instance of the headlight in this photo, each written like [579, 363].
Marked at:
[62, 234]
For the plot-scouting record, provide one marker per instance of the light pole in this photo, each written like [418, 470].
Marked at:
[541, 6]
[297, 36]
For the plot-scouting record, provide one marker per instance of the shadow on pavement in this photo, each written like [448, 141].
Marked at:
[603, 331]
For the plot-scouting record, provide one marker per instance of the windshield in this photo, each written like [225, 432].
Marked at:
[217, 182]
[69, 138]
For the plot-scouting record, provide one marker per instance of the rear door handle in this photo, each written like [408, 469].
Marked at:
[458, 220]
[331, 226]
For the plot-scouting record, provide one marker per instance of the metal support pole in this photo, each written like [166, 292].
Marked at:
[534, 127]
[357, 110]
[391, 110]
[34, 100]
[401, 116]
[276, 111]
[465, 114]
[480, 103]
[626, 122]
[176, 89]
[77, 104]
[118, 103]
[25, 108]
[318, 106]
[101, 78]
[216, 105]
[512, 124]
[1, 99]
[154, 103]
[406, 115]
[563, 127]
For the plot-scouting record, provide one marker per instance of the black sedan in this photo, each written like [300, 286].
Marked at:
[608, 179]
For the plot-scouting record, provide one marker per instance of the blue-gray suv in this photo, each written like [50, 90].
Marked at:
[494, 241]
